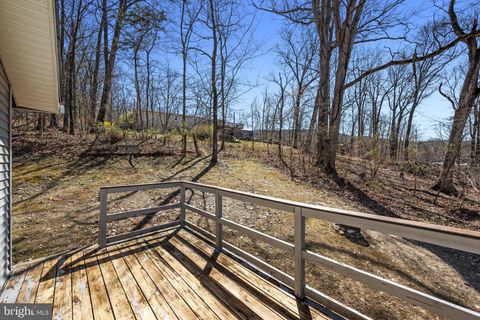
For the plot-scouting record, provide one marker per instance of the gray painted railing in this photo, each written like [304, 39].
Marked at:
[455, 238]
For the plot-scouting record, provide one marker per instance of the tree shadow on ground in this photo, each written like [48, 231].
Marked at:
[430, 289]
[463, 262]
[364, 199]
[83, 163]
[172, 195]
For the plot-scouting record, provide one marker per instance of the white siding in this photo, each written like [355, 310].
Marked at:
[29, 52]
[4, 178]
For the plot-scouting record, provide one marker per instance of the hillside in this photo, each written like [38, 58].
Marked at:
[57, 178]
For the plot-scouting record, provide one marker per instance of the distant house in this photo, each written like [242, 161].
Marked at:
[173, 121]
[29, 80]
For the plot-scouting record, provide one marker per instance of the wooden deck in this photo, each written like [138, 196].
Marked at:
[169, 275]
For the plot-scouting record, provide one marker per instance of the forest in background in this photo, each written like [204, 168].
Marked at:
[157, 91]
[349, 79]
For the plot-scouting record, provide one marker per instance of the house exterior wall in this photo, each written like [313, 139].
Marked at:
[167, 122]
[173, 121]
[5, 182]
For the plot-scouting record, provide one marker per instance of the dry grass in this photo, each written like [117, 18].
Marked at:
[56, 209]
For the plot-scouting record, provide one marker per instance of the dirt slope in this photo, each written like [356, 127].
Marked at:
[56, 208]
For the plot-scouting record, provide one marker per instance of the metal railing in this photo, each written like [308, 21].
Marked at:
[455, 238]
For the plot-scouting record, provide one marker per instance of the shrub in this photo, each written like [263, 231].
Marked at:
[127, 120]
[153, 131]
[114, 134]
[203, 132]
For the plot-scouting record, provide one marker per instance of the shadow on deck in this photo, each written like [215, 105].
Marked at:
[168, 275]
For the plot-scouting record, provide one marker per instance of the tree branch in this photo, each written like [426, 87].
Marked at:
[416, 59]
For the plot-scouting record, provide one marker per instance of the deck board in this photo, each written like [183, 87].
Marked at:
[29, 288]
[260, 284]
[258, 303]
[81, 304]
[12, 288]
[62, 303]
[238, 307]
[165, 275]
[153, 295]
[98, 293]
[117, 297]
[168, 264]
[46, 287]
[136, 298]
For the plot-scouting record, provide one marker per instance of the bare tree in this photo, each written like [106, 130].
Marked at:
[98, 53]
[282, 83]
[468, 94]
[214, 29]
[123, 6]
[425, 75]
[475, 135]
[298, 55]
[110, 54]
[399, 98]
[237, 46]
[340, 26]
[188, 17]
[76, 16]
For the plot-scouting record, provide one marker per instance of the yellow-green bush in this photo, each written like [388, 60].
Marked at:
[203, 132]
[113, 133]
[128, 120]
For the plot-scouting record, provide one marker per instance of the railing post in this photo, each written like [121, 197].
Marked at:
[102, 223]
[182, 205]
[299, 248]
[218, 225]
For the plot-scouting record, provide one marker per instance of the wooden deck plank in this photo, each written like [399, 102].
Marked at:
[168, 264]
[29, 288]
[153, 294]
[276, 303]
[267, 288]
[62, 302]
[214, 294]
[98, 293]
[116, 294]
[139, 304]
[81, 303]
[12, 288]
[161, 276]
[255, 301]
[46, 287]
[187, 298]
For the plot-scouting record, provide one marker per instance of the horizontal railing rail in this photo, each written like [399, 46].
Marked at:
[449, 237]
[105, 217]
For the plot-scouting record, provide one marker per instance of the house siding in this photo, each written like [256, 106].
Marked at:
[5, 160]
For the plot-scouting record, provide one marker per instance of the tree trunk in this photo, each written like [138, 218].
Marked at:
[345, 33]
[214, 159]
[138, 99]
[323, 15]
[94, 85]
[40, 127]
[311, 127]
[406, 153]
[53, 121]
[184, 103]
[468, 94]
[296, 119]
[477, 135]
[109, 68]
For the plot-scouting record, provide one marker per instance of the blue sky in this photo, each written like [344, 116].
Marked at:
[433, 109]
